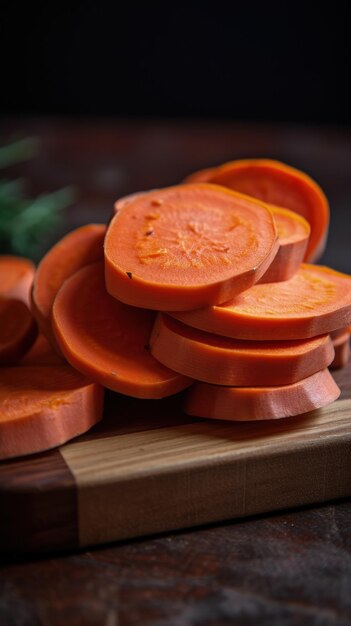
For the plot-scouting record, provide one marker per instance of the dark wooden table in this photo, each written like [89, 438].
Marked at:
[286, 568]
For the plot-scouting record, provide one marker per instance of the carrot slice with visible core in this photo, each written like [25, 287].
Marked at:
[316, 300]
[42, 353]
[262, 403]
[341, 345]
[187, 246]
[108, 340]
[80, 247]
[293, 234]
[43, 407]
[16, 277]
[18, 330]
[224, 361]
[279, 184]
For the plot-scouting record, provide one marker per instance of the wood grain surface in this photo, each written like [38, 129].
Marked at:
[171, 478]
[38, 504]
[284, 568]
[140, 475]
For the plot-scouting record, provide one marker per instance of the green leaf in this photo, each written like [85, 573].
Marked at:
[17, 151]
[26, 223]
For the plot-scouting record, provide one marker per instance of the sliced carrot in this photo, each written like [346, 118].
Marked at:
[16, 277]
[18, 330]
[340, 332]
[80, 247]
[108, 340]
[316, 300]
[204, 175]
[293, 234]
[42, 407]
[187, 246]
[279, 184]
[342, 351]
[262, 403]
[123, 202]
[223, 361]
[41, 353]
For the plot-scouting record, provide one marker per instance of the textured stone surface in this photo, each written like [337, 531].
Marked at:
[292, 568]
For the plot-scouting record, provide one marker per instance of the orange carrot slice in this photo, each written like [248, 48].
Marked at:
[340, 332]
[18, 330]
[16, 277]
[43, 407]
[341, 345]
[316, 300]
[279, 184]
[80, 247]
[224, 361]
[187, 246]
[262, 403]
[108, 340]
[41, 353]
[293, 234]
[123, 202]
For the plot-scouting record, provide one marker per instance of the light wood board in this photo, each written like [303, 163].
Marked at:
[148, 468]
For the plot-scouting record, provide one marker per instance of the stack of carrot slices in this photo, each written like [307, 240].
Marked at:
[280, 185]
[187, 247]
[202, 287]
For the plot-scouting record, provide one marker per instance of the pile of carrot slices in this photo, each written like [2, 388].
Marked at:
[207, 287]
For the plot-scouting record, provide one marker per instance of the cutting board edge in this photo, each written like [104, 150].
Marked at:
[204, 493]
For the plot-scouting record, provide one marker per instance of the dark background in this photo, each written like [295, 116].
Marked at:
[165, 59]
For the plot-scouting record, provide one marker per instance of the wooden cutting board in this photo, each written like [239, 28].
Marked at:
[148, 468]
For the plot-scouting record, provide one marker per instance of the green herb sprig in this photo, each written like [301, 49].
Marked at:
[25, 223]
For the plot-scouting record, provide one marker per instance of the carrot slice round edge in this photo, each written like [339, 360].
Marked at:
[223, 361]
[262, 403]
[342, 349]
[315, 301]
[280, 184]
[293, 234]
[41, 353]
[340, 332]
[16, 277]
[18, 330]
[108, 340]
[125, 200]
[80, 247]
[187, 246]
[43, 407]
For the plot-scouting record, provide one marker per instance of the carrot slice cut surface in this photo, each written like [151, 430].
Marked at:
[223, 361]
[42, 353]
[18, 330]
[279, 184]
[262, 403]
[16, 277]
[80, 247]
[108, 340]
[293, 234]
[187, 246]
[316, 300]
[123, 202]
[342, 351]
[42, 407]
